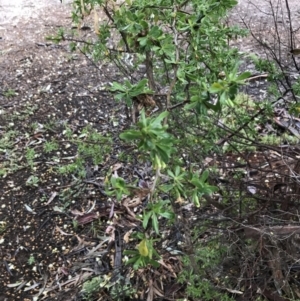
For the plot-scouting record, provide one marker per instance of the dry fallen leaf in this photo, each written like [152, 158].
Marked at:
[61, 231]
[87, 218]
[52, 197]
[116, 166]
[127, 235]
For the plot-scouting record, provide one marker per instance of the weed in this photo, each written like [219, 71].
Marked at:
[50, 146]
[10, 93]
[30, 155]
[32, 181]
[91, 287]
[31, 259]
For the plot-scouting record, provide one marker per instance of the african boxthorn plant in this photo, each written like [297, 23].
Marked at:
[174, 56]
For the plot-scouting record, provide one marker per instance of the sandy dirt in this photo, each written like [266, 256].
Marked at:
[23, 22]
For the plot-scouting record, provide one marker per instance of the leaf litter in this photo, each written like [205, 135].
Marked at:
[69, 227]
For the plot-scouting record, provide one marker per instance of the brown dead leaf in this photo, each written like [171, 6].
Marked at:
[110, 230]
[132, 202]
[87, 218]
[145, 100]
[180, 200]
[157, 291]
[93, 252]
[139, 192]
[61, 231]
[52, 197]
[81, 244]
[116, 166]
[127, 235]
[130, 213]
[77, 212]
[150, 291]
[168, 267]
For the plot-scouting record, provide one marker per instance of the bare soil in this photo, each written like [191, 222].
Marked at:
[50, 86]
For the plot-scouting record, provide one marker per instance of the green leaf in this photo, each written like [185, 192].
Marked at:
[155, 223]
[170, 173]
[204, 176]
[216, 108]
[216, 87]
[131, 135]
[195, 98]
[143, 248]
[177, 170]
[139, 263]
[134, 258]
[168, 215]
[143, 41]
[117, 87]
[143, 120]
[146, 218]
[119, 96]
[190, 106]
[139, 88]
[166, 188]
[141, 84]
[155, 32]
[168, 50]
[130, 252]
[181, 75]
[196, 182]
[154, 263]
[223, 98]
[196, 199]
[156, 122]
[243, 76]
[164, 152]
